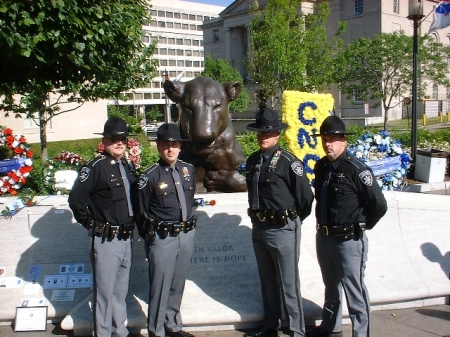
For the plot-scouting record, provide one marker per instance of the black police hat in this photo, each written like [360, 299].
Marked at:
[332, 125]
[266, 120]
[114, 126]
[169, 132]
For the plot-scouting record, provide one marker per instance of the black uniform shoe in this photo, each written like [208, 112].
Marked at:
[263, 332]
[318, 332]
[180, 333]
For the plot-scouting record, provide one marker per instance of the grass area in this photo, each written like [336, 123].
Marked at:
[405, 124]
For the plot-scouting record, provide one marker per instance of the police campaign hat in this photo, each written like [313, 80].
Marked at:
[332, 125]
[114, 126]
[169, 132]
[266, 120]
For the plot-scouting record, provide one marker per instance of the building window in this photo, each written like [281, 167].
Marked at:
[172, 63]
[145, 39]
[162, 14]
[153, 12]
[162, 51]
[199, 17]
[177, 25]
[215, 35]
[192, 17]
[153, 23]
[395, 8]
[359, 7]
[196, 53]
[147, 95]
[358, 96]
[171, 52]
[435, 92]
[196, 64]
[188, 42]
[180, 52]
[169, 24]
[177, 15]
[196, 43]
[156, 95]
[448, 92]
[185, 26]
[163, 40]
[192, 27]
[169, 14]
[188, 63]
[163, 63]
[180, 63]
[161, 24]
[184, 16]
[171, 40]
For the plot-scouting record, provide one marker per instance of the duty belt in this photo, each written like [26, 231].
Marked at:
[171, 227]
[108, 231]
[272, 217]
[341, 233]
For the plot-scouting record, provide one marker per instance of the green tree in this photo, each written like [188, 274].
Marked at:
[58, 52]
[381, 68]
[153, 114]
[122, 111]
[222, 71]
[290, 50]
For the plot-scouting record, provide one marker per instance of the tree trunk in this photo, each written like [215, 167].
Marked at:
[386, 110]
[43, 135]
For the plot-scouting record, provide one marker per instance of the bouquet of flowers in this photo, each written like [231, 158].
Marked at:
[17, 164]
[389, 161]
[65, 161]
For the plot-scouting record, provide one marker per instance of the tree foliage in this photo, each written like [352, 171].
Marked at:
[58, 52]
[222, 71]
[290, 50]
[382, 68]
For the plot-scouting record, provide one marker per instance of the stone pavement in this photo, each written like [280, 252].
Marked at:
[430, 321]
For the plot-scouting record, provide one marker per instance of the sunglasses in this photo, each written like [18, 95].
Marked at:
[116, 139]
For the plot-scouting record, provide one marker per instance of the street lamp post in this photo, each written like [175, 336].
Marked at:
[415, 14]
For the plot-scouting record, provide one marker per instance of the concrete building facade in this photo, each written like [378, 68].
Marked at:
[228, 37]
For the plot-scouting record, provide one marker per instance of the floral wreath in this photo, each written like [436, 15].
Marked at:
[64, 161]
[381, 148]
[16, 169]
[132, 154]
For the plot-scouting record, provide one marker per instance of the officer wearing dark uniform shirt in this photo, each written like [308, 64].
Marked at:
[280, 198]
[349, 202]
[100, 201]
[165, 194]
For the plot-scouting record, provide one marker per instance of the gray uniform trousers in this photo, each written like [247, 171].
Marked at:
[277, 250]
[169, 260]
[343, 265]
[112, 273]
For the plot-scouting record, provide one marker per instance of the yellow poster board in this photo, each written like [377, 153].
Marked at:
[304, 113]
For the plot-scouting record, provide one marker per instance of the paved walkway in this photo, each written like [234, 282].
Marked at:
[429, 321]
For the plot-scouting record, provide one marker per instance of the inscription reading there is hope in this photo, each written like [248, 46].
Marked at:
[228, 256]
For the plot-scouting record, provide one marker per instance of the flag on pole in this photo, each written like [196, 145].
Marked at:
[441, 16]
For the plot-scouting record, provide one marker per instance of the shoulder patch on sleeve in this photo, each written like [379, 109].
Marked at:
[297, 167]
[142, 181]
[84, 174]
[366, 177]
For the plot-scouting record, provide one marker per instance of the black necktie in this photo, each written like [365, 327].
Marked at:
[324, 198]
[255, 180]
[126, 185]
[180, 192]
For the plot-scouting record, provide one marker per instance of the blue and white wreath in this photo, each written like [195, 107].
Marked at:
[386, 157]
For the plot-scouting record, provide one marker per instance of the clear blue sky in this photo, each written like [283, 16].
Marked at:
[224, 3]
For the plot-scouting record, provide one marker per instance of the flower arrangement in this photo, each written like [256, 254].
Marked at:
[304, 113]
[65, 161]
[388, 160]
[17, 164]
[132, 154]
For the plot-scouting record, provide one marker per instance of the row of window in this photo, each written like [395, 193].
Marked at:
[176, 41]
[179, 52]
[174, 25]
[359, 6]
[176, 15]
[181, 63]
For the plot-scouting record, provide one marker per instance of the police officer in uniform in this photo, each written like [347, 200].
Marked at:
[165, 194]
[280, 198]
[349, 202]
[100, 201]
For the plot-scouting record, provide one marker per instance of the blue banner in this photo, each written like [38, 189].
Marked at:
[8, 165]
[385, 165]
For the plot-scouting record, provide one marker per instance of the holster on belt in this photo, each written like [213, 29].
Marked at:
[149, 228]
[101, 229]
[272, 217]
[125, 231]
